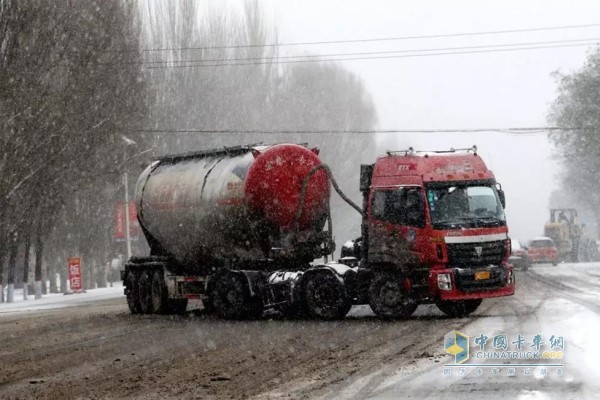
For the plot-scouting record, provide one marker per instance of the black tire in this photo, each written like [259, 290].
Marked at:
[159, 294]
[388, 297]
[325, 297]
[145, 292]
[555, 263]
[207, 305]
[458, 308]
[230, 298]
[131, 293]
[178, 306]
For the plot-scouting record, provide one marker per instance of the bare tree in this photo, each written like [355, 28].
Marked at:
[70, 85]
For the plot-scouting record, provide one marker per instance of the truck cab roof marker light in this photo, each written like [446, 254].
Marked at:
[411, 151]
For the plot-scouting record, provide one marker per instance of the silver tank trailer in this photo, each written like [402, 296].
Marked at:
[235, 205]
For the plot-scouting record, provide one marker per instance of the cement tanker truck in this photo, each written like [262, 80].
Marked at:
[238, 229]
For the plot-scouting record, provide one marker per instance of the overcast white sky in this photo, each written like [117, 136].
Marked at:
[507, 89]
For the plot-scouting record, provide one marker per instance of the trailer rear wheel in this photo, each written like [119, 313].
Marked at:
[325, 297]
[388, 297]
[458, 308]
[159, 294]
[145, 292]
[230, 298]
[131, 290]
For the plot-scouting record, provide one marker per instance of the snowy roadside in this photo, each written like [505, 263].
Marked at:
[59, 300]
[580, 277]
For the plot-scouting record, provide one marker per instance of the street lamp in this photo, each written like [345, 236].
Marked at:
[127, 234]
[128, 142]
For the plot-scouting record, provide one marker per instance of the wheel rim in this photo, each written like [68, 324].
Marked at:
[229, 297]
[391, 296]
[324, 297]
[388, 298]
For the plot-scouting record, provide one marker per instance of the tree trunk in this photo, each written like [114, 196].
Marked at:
[63, 278]
[2, 258]
[26, 266]
[103, 275]
[12, 260]
[597, 215]
[39, 251]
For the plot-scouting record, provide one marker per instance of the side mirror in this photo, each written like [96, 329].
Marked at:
[366, 175]
[502, 198]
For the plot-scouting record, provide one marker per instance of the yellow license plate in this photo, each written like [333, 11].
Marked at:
[481, 275]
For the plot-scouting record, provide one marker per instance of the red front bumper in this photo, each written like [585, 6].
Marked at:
[456, 294]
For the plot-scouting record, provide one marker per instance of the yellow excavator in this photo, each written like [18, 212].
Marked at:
[565, 233]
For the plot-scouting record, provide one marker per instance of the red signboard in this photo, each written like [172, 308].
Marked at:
[74, 265]
[134, 226]
[119, 221]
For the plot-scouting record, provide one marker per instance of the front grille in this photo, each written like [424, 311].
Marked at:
[465, 279]
[465, 255]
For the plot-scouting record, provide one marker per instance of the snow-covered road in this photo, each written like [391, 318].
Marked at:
[89, 346]
[551, 301]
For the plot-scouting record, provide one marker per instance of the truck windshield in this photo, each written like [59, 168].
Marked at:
[464, 206]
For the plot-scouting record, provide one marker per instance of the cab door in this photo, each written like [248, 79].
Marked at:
[396, 224]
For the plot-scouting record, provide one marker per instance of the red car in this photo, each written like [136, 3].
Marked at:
[542, 250]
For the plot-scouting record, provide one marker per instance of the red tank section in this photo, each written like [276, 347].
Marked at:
[274, 184]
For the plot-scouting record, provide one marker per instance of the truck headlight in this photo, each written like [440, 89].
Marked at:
[444, 281]
[511, 277]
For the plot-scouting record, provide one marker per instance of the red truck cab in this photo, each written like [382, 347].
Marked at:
[435, 232]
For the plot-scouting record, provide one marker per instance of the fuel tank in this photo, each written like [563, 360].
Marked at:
[235, 205]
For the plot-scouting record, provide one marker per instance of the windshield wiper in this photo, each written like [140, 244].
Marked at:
[454, 221]
[490, 220]
[470, 221]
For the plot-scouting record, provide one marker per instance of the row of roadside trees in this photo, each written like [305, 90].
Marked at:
[79, 106]
[62, 104]
[577, 109]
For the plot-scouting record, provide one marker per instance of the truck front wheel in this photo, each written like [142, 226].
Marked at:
[458, 308]
[388, 297]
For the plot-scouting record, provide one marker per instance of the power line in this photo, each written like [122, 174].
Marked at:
[384, 39]
[372, 57]
[311, 56]
[512, 131]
